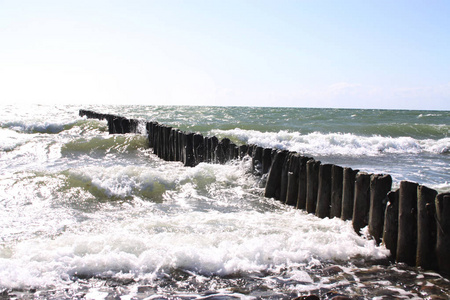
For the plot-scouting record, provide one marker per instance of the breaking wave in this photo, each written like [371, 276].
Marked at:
[317, 143]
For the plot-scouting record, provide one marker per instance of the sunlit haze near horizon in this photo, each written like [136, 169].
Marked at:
[339, 54]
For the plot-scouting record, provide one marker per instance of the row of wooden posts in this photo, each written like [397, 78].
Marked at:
[413, 221]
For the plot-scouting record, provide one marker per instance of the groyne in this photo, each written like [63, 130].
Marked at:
[413, 221]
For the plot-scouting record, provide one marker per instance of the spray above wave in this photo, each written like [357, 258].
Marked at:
[317, 143]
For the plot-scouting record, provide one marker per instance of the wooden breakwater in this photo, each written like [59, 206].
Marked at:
[413, 221]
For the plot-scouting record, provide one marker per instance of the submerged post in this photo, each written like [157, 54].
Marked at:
[198, 148]
[284, 178]
[301, 195]
[324, 191]
[189, 159]
[312, 185]
[443, 232]
[426, 228]
[390, 228]
[266, 160]
[292, 186]
[337, 178]
[407, 223]
[348, 193]
[380, 185]
[362, 201]
[273, 184]
[257, 161]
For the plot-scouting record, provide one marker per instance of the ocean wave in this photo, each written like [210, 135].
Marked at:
[120, 182]
[37, 127]
[10, 139]
[395, 129]
[44, 127]
[155, 183]
[317, 143]
[105, 144]
[430, 115]
[207, 244]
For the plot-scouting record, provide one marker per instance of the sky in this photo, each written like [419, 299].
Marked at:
[340, 54]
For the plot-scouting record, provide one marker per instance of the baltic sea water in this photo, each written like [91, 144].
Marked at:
[85, 214]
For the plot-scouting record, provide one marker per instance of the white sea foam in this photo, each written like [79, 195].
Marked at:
[189, 230]
[207, 243]
[10, 139]
[317, 143]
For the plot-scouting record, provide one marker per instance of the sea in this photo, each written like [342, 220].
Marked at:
[89, 215]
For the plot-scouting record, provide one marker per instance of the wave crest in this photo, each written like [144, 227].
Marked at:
[317, 143]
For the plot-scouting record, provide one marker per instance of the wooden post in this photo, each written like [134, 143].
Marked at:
[250, 150]
[443, 232]
[117, 125]
[312, 184]
[148, 125]
[154, 135]
[172, 141]
[337, 177]
[214, 142]
[176, 141]
[273, 183]
[301, 195]
[175, 144]
[380, 186]
[292, 185]
[266, 160]
[390, 231]
[236, 152]
[362, 201]
[426, 228]
[348, 193]
[162, 141]
[284, 177]
[125, 124]
[189, 160]
[407, 223]
[324, 191]
[110, 120]
[134, 124]
[232, 152]
[222, 150]
[166, 143]
[243, 149]
[156, 143]
[198, 148]
[257, 161]
[207, 149]
[181, 146]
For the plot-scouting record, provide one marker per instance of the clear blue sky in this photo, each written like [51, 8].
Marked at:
[349, 54]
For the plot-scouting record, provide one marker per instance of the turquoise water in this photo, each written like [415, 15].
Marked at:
[85, 214]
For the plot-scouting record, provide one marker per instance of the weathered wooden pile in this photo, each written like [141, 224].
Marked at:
[413, 221]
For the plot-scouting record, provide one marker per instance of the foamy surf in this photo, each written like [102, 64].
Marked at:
[85, 214]
[206, 243]
[348, 144]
